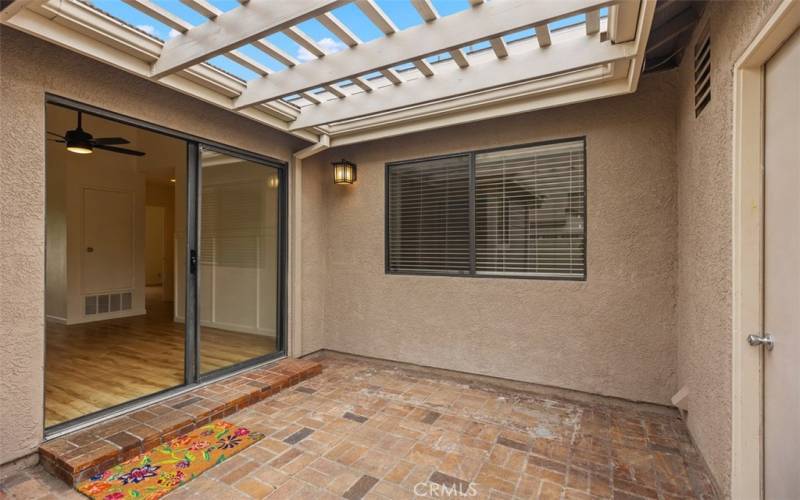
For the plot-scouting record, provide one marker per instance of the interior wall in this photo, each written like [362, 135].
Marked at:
[704, 279]
[29, 68]
[612, 334]
[56, 250]
[92, 172]
[163, 195]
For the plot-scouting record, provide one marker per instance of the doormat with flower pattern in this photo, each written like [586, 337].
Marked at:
[156, 472]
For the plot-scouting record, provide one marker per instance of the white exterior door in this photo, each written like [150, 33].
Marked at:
[782, 273]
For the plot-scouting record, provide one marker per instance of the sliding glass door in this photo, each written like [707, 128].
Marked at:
[238, 260]
[165, 263]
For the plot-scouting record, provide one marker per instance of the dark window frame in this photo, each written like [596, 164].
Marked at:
[472, 210]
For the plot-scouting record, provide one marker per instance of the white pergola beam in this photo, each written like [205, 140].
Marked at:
[391, 75]
[129, 57]
[499, 47]
[248, 62]
[14, 8]
[566, 56]
[274, 52]
[363, 84]
[622, 20]
[426, 10]
[333, 89]
[423, 67]
[160, 14]
[543, 35]
[457, 30]
[242, 25]
[592, 22]
[309, 96]
[377, 16]
[203, 7]
[304, 41]
[459, 58]
[338, 28]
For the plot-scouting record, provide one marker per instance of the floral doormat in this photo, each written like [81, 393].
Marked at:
[156, 472]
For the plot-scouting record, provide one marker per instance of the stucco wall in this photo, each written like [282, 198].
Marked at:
[704, 149]
[28, 69]
[314, 240]
[613, 334]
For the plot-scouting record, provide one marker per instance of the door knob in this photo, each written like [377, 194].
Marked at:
[765, 340]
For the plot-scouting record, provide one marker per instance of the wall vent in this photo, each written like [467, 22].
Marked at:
[107, 302]
[702, 72]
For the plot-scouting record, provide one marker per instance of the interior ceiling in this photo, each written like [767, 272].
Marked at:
[533, 54]
[163, 154]
[673, 25]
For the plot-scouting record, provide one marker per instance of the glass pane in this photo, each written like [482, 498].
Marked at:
[115, 239]
[429, 216]
[530, 211]
[237, 260]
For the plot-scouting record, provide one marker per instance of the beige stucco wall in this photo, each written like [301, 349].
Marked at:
[28, 69]
[314, 241]
[613, 334]
[704, 149]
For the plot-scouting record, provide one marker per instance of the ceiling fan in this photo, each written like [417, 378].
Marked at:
[82, 142]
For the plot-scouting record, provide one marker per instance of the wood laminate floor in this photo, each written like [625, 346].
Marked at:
[93, 366]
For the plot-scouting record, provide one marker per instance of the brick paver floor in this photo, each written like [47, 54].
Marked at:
[372, 429]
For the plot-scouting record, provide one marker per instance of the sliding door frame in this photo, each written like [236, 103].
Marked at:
[282, 253]
[192, 376]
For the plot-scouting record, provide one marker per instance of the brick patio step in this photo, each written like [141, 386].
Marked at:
[80, 455]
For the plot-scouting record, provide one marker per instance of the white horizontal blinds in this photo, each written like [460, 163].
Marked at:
[429, 216]
[233, 220]
[530, 208]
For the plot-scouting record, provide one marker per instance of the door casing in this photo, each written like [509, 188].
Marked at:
[748, 284]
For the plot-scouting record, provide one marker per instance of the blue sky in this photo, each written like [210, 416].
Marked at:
[401, 12]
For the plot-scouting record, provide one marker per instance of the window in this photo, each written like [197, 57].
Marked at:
[517, 212]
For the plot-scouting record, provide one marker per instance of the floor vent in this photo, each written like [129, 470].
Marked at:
[107, 302]
[702, 73]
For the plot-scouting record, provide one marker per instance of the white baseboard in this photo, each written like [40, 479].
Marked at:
[105, 316]
[56, 319]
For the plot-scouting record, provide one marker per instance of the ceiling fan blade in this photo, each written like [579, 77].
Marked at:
[119, 150]
[111, 140]
[57, 135]
[56, 140]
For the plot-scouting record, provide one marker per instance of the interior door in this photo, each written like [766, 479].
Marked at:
[108, 240]
[782, 273]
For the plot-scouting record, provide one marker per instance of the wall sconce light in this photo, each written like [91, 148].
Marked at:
[273, 181]
[344, 172]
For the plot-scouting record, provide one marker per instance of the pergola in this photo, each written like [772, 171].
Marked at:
[388, 86]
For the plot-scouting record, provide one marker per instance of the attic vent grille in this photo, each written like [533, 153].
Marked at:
[702, 73]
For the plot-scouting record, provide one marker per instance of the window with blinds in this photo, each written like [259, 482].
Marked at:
[530, 211]
[428, 208]
[516, 212]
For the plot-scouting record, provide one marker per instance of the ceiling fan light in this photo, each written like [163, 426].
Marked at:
[79, 142]
[80, 149]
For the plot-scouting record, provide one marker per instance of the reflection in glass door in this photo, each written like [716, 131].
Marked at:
[238, 261]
